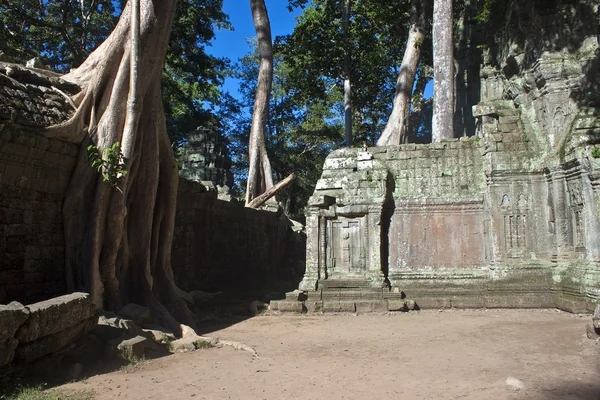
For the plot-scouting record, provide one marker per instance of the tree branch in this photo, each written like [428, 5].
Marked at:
[262, 199]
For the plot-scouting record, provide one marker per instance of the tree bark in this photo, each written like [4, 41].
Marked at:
[443, 71]
[260, 176]
[418, 101]
[347, 66]
[118, 242]
[262, 199]
[395, 131]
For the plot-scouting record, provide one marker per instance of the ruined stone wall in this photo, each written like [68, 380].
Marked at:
[463, 223]
[220, 246]
[28, 333]
[34, 174]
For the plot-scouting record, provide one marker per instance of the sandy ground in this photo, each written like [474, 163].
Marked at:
[417, 355]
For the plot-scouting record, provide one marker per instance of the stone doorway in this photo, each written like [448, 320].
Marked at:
[345, 246]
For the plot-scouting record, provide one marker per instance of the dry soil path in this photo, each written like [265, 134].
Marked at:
[418, 355]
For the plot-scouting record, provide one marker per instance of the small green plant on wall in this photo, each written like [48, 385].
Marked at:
[596, 151]
[111, 164]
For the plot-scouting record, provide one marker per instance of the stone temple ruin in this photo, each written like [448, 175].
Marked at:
[508, 217]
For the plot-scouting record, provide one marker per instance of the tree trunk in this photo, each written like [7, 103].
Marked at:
[443, 71]
[418, 101]
[347, 66]
[395, 131]
[260, 176]
[262, 199]
[118, 242]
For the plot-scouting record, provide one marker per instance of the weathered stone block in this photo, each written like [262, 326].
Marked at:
[132, 348]
[592, 332]
[287, 306]
[7, 350]
[433, 302]
[396, 305]
[467, 301]
[314, 306]
[28, 352]
[596, 317]
[339, 306]
[12, 316]
[55, 315]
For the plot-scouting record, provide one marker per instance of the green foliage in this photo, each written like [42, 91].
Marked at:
[203, 344]
[111, 164]
[64, 32]
[596, 152]
[376, 43]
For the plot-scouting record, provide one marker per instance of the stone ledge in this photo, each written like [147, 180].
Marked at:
[55, 315]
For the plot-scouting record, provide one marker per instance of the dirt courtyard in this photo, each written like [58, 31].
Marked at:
[417, 355]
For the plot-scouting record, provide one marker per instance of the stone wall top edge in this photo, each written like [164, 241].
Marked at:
[34, 137]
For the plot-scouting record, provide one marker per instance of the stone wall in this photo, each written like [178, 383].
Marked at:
[28, 333]
[221, 246]
[463, 223]
[34, 174]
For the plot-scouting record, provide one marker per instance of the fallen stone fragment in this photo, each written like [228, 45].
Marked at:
[592, 332]
[158, 334]
[132, 348]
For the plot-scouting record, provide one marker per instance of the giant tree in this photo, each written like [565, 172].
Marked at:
[62, 33]
[395, 131]
[118, 234]
[443, 74]
[260, 176]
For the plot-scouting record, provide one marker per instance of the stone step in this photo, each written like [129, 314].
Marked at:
[352, 294]
[344, 283]
[287, 306]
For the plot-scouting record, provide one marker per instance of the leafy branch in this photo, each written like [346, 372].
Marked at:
[111, 164]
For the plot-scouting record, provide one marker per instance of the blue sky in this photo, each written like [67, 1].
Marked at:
[233, 45]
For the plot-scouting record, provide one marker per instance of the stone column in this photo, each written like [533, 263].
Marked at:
[311, 275]
[374, 272]
[561, 213]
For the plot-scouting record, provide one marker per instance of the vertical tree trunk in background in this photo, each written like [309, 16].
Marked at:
[260, 176]
[118, 242]
[418, 101]
[395, 131]
[347, 67]
[443, 71]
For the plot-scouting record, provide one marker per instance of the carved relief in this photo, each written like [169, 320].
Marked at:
[576, 203]
[514, 220]
[346, 251]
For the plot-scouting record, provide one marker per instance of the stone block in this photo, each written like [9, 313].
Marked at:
[314, 306]
[592, 332]
[287, 306]
[7, 350]
[136, 313]
[12, 316]
[296, 295]
[370, 306]
[132, 348]
[28, 352]
[396, 305]
[468, 301]
[55, 315]
[339, 306]
[436, 303]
